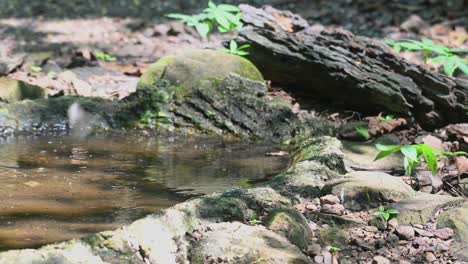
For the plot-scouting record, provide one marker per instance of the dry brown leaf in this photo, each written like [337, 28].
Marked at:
[379, 127]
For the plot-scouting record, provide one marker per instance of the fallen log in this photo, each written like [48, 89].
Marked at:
[359, 73]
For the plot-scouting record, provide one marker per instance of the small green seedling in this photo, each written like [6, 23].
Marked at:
[225, 17]
[104, 56]
[199, 22]
[334, 250]
[36, 68]
[51, 74]
[228, 17]
[413, 155]
[236, 50]
[385, 214]
[363, 132]
[386, 117]
[437, 53]
[255, 222]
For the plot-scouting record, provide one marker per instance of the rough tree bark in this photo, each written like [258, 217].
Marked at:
[357, 72]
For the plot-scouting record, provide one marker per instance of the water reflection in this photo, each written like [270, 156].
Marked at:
[57, 188]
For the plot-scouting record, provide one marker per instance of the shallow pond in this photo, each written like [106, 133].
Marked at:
[58, 188]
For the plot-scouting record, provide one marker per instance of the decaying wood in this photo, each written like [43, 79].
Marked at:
[359, 73]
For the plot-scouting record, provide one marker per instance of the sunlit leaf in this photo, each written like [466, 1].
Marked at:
[410, 152]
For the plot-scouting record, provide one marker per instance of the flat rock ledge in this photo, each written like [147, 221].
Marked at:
[258, 225]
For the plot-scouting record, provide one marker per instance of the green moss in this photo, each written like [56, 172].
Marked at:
[290, 223]
[225, 209]
[334, 236]
[187, 69]
[155, 71]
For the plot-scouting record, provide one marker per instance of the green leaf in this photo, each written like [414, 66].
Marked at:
[439, 58]
[221, 19]
[392, 211]
[462, 66]
[363, 132]
[386, 150]
[245, 46]
[410, 152]
[409, 166]
[430, 158]
[229, 8]
[385, 215]
[410, 46]
[51, 74]
[390, 42]
[36, 68]
[242, 53]
[233, 45]
[211, 4]
[387, 147]
[203, 29]
[427, 41]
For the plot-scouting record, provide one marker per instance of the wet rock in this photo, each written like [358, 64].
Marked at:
[238, 243]
[12, 90]
[325, 149]
[422, 207]
[290, 224]
[305, 179]
[336, 209]
[368, 189]
[405, 232]
[42, 115]
[329, 199]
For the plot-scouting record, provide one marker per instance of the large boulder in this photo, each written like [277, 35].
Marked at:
[12, 90]
[239, 243]
[368, 189]
[208, 91]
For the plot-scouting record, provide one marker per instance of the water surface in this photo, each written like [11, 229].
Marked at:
[57, 188]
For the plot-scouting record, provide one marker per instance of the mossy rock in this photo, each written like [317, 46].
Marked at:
[189, 68]
[334, 236]
[12, 90]
[457, 219]
[290, 224]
